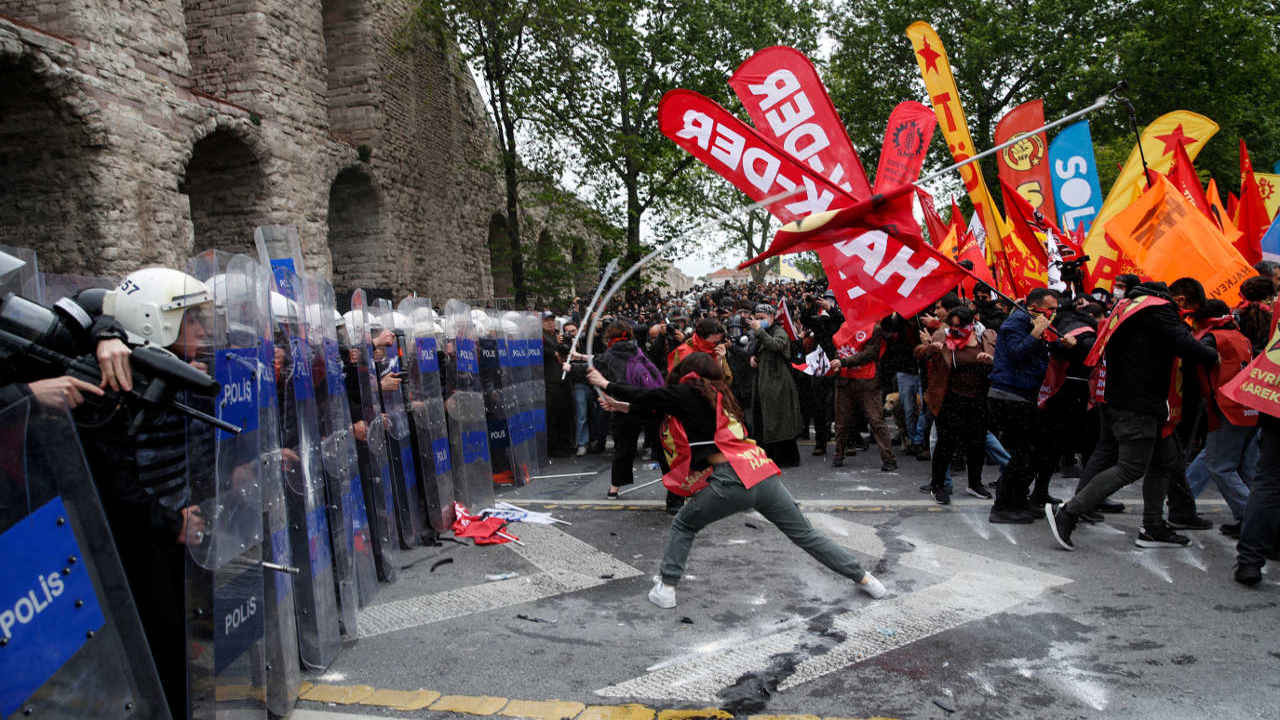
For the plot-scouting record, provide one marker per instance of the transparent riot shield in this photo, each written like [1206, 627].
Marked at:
[520, 354]
[464, 403]
[424, 337]
[353, 568]
[71, 641]
[58, 286]
[537, 393]
[242, 304]
[495, 383]
[226, 607]
[20, 273]
[375, 464]
[303, 469]
[400, 440]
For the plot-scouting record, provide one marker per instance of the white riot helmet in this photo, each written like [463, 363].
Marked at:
[151, 303]
[283, 309]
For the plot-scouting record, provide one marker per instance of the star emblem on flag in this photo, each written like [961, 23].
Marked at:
[1175, 138]
[930, 56]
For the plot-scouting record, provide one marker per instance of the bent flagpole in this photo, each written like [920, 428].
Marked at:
[631, 271]
[609, 270]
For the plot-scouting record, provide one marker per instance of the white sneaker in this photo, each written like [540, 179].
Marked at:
[872, 587]
[582, 450]
[662, 595]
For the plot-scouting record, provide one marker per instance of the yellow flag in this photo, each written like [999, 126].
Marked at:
[1159, 140]
[950, 245]
[941, 85]
[1269, 186]
[1169, 238]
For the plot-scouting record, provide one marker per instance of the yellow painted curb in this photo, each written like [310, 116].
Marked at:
[543, 709]
[695, 714]
[402, 699]
[340, 694]
[617, 712]
[469, 704]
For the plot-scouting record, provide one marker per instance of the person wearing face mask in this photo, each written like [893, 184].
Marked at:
[776, 417]
[1021, 359]
[1122, 285]
[957, 360]
[1188, 294]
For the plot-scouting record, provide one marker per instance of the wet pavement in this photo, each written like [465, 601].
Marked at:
[990, 621]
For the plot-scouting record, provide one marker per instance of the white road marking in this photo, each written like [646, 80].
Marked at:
[566, 563]
[980, 587]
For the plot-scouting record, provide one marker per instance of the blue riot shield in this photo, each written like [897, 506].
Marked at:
[71, 642]
[303, 469]
[424, 339]
[375, 463]
[400, 440]
[465, 406]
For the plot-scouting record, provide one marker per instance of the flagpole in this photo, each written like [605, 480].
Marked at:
[1099, 104]
[609, 270]
[622, 279]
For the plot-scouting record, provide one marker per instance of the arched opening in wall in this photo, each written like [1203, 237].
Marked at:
[356, 244]
[47, 192]
[226, 188]
[500, 256]
[548, 276]
[350, 66]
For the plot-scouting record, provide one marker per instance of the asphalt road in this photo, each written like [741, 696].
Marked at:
[982, 620]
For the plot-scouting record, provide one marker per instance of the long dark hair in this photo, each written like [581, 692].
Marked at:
[709, 381]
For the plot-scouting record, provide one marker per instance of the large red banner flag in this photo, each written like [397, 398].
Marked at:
[906, 142]
[1025, 164]
[789, 105]
[1251, 212]
[752, 163]
[783, 318]
[932, 220]
[787, 102]
[1183, 176]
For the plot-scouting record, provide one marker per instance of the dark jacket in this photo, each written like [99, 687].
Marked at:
[1020, 359]
[613, 363]
[824, 324]
[1140, 357]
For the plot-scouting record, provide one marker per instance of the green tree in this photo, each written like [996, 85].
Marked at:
[601, 66]
[493, 36]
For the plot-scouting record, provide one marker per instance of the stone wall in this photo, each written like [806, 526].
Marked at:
[143, 132]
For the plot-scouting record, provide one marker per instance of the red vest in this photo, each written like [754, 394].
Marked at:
[1124, 310]
[1234, 353]
[1056, 375]
[748, 459]
[867, 370]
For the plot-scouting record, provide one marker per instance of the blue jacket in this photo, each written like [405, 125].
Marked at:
[1021, 360]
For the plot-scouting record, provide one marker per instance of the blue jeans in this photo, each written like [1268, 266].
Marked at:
[1229, 459]
[1261, 524]
[908, 389]
[581, 409]
[995, 453]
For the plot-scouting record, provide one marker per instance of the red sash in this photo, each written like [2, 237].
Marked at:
[1124, 310]
[1056, 375]
[749, 460]
[867, 370]
[1234, 354]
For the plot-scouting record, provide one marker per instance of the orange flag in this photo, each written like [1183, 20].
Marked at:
[1159, 139]
[1164, 234]
[1251, 213]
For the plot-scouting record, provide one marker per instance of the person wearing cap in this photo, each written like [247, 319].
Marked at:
[776, 417]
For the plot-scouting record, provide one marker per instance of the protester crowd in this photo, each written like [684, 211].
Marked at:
[976, 385]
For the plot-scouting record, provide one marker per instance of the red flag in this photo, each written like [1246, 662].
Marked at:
[906, 142]
[969, 250]
[957, 220]
[1027, 258]
[783, 318]
[932, 220]
[1183, 176]
[788, 103]
[1233, 206]
[888, 213]
[1251, 212]
[1024, 165]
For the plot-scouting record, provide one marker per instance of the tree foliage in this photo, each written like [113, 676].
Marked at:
[1214, 57]
[601, 66]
